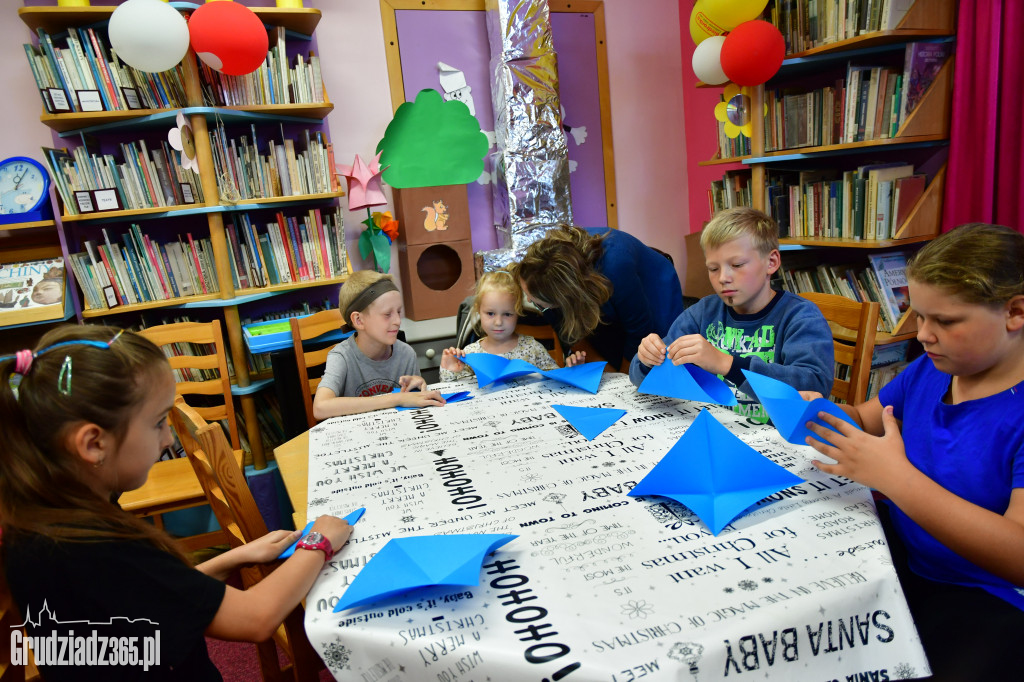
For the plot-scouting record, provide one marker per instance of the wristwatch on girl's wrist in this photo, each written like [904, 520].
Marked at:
[315, 540]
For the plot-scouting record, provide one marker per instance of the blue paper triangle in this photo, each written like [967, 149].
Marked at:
[788, 411]
[586, 376]
[714, 473]
[589, 421]
[490, 368]
[449, 398]
[420, 561]
[687, 382]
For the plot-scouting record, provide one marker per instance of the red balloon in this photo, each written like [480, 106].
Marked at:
[752, 52]
[228, 37]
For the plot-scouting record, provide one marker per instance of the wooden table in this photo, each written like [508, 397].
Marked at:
[598, 585]
[293, 463]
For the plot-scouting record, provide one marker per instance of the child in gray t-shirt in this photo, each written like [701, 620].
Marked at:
[363, 369]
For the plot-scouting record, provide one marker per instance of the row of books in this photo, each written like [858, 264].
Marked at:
[144, 179]
[260, 363]
[869, 103]
[887, 361]
[141, 270]
[884, 281]
[274, 82]
[81, 77]
[812, 23]
[732, 190]
[732, 147]
[871, 202]
[281, 172]
[290, 249]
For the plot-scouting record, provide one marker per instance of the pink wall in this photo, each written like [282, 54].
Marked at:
[647, 101]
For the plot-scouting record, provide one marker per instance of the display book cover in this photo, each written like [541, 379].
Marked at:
[32, 291]
[890, 269]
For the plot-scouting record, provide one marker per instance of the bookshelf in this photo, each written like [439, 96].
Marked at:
[211, 219]
[817, 72]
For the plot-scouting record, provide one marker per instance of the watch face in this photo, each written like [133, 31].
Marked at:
[313, 538]
[21, 186]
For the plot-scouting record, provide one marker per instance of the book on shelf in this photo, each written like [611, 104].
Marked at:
[878, 218]
[805, 25]
[890, 271]
[32, 291]
[906, 192]
[921, 64]
[133, 268]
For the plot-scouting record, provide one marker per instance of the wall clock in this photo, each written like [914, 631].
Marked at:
[24, 191]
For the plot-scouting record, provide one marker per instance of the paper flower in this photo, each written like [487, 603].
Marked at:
[734, 111]
[181, 139]
[364, 183]
[381, 230]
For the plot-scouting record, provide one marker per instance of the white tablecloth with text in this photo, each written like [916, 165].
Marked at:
[598, 585]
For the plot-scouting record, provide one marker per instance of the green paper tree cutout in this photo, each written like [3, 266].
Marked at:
[431, 142]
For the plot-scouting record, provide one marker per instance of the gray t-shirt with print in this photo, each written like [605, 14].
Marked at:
[350, 374]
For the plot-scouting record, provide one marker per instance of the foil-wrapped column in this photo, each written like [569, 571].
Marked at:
[531, 191]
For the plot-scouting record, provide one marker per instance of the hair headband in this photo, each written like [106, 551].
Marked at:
[368, 296]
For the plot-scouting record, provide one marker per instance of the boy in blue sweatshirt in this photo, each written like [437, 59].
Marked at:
[747, 324]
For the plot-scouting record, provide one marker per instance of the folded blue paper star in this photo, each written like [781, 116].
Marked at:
[687, 382]
[490, 368]
[788, 411]
[420, 561]
[714, 473]
[589, 421]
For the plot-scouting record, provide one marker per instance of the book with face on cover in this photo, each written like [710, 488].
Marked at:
[32, 291]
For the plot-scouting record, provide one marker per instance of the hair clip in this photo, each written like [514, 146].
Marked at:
[64, 378]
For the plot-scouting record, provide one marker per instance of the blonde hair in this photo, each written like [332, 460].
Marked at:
[734, 223]
[560, 270]
[496, 282]
[977, 262]
[41, 488]
[358, 282]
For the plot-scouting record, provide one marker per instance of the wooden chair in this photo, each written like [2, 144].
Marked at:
[232, 502]
[854, 326]
[305, 329]
[172, 484]
[544, 332]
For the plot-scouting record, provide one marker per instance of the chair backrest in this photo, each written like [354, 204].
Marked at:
[196, 352]
[304, 329]
[544, 332]
[236, 510]
[852, 348]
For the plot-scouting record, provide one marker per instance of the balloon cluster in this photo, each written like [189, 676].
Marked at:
[150, 35]
[732, 44]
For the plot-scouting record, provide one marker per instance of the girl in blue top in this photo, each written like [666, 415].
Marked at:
[944, 441]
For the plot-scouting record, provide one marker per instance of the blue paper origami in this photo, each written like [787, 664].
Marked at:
[420, 561]
[351, 518]
[788, 411]
[586, 376]
[456, 397]
[490, 368]
[714, 473]
[688, 382]
[589, 421]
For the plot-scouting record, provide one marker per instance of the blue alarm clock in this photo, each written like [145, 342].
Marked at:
[24, 191]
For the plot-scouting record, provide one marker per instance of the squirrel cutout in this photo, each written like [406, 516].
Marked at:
[437, 216]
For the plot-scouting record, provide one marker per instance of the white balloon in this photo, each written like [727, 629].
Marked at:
[707, 62]
[148, 34]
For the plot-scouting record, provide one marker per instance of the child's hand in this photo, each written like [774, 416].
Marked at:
[810, 395]
[268, 547]
[694, 349]
[412, 383]
[577, 358]
[334, 529]
[450, 359]
[652, 350]
[420, 399]
[874, 461]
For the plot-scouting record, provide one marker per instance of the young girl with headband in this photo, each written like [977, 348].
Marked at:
[497, 305]
[85, 423]
[364, 369]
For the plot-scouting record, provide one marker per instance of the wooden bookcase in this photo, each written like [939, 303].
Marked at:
[925, 128]
[207, 216]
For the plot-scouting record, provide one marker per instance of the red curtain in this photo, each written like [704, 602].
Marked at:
[985, 176]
